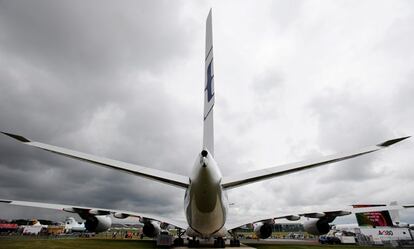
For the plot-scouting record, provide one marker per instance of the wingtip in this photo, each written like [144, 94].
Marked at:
[5, 201]
[17, 137]
[392, 141]
[210, 12]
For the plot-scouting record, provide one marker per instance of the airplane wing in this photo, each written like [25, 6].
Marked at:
[97, 211]
[332, 214]
[229, 182]
[154, 174]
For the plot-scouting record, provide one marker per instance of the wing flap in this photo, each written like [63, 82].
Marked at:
[259, 175]
[154, 174]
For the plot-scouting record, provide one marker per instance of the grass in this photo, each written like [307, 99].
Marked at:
[266, 246]
[95, 243]
[75, 244]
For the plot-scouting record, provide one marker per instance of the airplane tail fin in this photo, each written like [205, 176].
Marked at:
[377, 218]
[208, 130]
[395, 214]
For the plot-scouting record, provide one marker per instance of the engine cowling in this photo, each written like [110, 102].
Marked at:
[263, 230]
[98, 223]
[121, 215]
[317, 227]
[151, 229]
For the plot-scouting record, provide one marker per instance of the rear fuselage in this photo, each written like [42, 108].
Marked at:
[205, 201]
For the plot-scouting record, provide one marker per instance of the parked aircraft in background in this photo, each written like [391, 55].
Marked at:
[205, 201]
[72, 226]
[389, 216]
[378, 226]
[34, 228]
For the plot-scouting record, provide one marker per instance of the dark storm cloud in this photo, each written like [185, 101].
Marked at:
[116, 80]
[72, 68]
[44, 42]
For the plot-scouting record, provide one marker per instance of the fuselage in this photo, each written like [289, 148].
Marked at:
[205, 201]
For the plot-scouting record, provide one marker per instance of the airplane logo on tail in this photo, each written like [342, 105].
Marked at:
[209, 86]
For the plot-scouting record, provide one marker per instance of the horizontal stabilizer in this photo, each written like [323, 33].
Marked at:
[259, 175]
[154, 174]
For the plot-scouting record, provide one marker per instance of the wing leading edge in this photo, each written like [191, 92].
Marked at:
[259, 175]
[154, 174]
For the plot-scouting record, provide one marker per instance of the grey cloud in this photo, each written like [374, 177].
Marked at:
[102, 38]
[95, 77]
[64, 68]
[350, 119]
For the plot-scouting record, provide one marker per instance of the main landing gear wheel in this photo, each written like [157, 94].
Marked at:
[235, 243]
[179, 242]
[219, 243]
[193, 243]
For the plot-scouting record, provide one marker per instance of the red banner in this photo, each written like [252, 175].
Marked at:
[8, 226]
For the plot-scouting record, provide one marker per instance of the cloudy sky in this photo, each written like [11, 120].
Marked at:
[294, 80]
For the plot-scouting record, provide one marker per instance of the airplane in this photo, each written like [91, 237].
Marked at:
[387, 217]
[384, 218]
[206, 203]
[72, 226]
[34, 228]
[382, 225]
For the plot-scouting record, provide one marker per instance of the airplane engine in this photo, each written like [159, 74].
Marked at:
[151, 229]
[317, 227]
[98, 223]
[263, 230]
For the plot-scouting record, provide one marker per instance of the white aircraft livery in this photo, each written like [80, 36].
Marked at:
[205, 201]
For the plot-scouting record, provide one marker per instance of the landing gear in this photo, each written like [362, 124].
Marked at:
[235, 243]
[193, 243]
[179, 241]
[219, 243]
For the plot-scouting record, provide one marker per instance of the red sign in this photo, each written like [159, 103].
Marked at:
[8, 226]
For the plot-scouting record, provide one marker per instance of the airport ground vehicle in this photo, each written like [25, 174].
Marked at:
[325, 239]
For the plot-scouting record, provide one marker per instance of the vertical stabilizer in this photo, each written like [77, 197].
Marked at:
[209, 99]
[395, 214]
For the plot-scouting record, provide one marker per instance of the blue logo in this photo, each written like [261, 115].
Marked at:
[209, 86]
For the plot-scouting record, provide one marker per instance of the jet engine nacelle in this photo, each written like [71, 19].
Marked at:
[98, 223]
[121, 215]
[317, 227]
[263, 230]
[151, 229]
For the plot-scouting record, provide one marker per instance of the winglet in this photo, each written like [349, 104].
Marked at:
[17, 137]
[392, 141]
